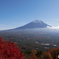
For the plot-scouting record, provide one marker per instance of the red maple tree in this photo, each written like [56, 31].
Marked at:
[9, 50]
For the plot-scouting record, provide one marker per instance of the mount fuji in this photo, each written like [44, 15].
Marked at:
[33, 25]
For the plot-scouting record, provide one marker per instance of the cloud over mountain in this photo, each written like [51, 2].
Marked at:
[57, 27]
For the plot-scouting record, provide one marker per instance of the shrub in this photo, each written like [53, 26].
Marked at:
[9, 50]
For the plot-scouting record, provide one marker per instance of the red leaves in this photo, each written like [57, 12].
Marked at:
[9, 50]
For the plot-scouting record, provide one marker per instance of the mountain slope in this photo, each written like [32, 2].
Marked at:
[34, 24]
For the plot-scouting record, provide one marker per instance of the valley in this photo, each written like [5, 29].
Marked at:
[32, 40]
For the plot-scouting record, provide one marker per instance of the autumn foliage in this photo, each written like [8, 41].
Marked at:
[46, 55]
[9, 50]
[54, 52]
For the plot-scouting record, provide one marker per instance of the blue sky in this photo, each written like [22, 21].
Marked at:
[16, 13]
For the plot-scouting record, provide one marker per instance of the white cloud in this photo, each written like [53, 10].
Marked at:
[57, 27]
[4, 27]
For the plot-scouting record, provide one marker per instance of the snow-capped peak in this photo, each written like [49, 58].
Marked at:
[37, 21]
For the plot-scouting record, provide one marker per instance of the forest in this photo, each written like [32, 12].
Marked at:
[34, 45]
[10, 50]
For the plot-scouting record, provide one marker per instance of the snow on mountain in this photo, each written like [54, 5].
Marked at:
[37, 21]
